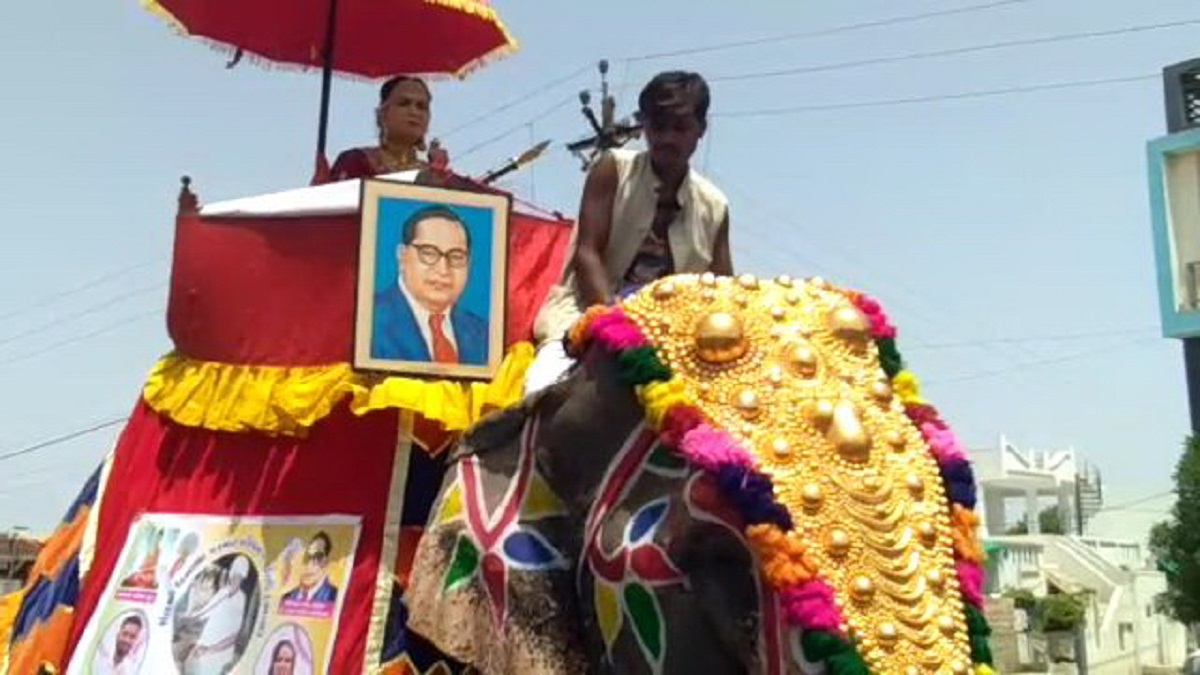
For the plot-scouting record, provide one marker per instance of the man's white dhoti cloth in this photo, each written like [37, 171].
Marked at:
[214, 649]
[223, 616]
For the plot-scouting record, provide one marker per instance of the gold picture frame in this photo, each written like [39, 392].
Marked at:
[431, 282]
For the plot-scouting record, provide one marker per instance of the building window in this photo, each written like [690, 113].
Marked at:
[1124, 630]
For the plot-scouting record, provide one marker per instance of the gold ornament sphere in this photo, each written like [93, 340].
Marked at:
[894, 439]
[839, 542]
[915, 483]
[720, 338]
[848, 323]
[663, 290]
[708, 279]
[822, 411]
[748, 281]
[863, 588]
[747, 403]
[812, 496]
[781, 447]
[848, 434]
[784, 280]
[775, 376]
[801, 358]
[936, 579]
[887, 633]
[946, 624]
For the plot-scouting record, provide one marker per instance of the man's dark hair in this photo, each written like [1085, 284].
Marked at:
[133, 619]
[409, 233]
[673, 93]
[386, 90]
[324, 538]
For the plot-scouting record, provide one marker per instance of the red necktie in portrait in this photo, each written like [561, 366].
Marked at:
[443, 351]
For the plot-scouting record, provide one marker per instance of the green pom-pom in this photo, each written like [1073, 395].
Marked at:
[889, 356]
[820, 646]
[639, 366]
[981, 651]
[847, 663]
[976, 623]
[978, 632]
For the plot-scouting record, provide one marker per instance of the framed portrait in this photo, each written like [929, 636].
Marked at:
[431, 298]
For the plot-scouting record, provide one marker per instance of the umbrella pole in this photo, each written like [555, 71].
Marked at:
[327, 76]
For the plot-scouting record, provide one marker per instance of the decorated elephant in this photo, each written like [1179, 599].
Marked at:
[738, 476]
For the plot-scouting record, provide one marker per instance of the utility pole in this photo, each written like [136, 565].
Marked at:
[607, 131]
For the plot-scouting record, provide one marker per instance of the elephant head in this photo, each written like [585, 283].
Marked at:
[736, 477]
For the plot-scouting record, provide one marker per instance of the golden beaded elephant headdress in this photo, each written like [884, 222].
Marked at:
[856, 497]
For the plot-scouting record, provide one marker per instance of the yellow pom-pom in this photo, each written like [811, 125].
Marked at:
[659, 397]
[908, 388]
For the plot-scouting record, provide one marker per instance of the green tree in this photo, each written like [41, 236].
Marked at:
[1175, 543]
[1049, 520]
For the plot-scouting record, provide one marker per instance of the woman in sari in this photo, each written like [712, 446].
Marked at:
[403, 120]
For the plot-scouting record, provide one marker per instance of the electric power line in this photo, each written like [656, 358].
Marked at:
[953, 51]
[108, 328]
[1062, 337]
[834, 30]
[50, 442]
[854, 263]
[92, 309]
[514, 129]
[1015, 367]
[92, 283]
[1127, 506]
[547, 86]
[1073, 84]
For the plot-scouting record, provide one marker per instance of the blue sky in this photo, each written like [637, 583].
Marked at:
[981, 223]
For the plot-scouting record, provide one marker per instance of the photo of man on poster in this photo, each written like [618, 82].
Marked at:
[315, 586]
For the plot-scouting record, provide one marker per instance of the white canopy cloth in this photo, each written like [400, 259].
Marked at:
[332, 199]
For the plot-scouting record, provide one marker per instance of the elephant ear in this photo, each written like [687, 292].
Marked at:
[497, 429]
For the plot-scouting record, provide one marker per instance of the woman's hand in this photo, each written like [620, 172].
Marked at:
[438, 157]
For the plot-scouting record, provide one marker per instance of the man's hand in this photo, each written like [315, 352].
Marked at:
[722, 261]
[595, 224]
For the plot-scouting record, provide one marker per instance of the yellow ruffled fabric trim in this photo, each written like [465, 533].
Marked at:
[288, 401]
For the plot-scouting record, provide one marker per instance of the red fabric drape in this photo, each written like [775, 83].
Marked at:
[281, 291]
[344, 466]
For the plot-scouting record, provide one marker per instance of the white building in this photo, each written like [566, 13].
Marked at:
[1123, 634]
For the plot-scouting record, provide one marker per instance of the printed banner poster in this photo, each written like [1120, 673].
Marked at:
[208, 595]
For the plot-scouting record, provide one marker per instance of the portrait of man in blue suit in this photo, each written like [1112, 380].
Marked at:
[315, 585]
[419, 317]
